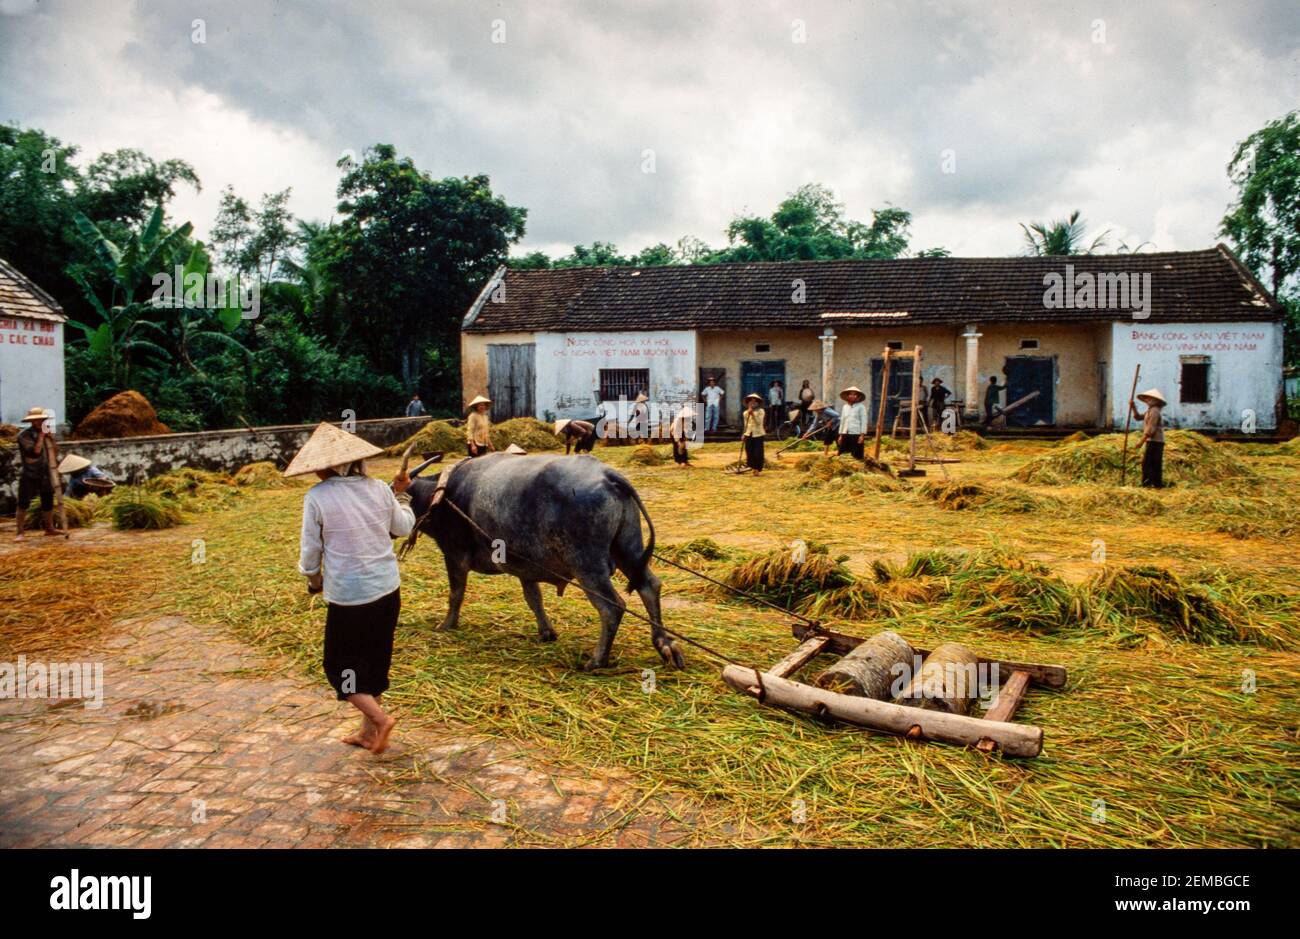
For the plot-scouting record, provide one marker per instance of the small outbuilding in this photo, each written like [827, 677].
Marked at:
[31, 348]
[561, 343]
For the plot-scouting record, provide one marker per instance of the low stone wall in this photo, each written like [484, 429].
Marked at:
[130, 459]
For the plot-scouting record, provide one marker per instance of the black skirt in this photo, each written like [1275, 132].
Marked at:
[850, 444]
[755, 454]
[680, 452]
[359, 645]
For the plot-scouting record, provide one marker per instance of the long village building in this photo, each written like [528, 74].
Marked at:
[559, 343]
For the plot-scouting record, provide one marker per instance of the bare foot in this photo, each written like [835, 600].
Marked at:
[20, 537]
[359, 739]
[380, 742]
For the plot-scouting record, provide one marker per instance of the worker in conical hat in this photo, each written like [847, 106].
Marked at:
[1153, 437]
[579, 436]
[478, 427]
[826, 421]
[681, 432]
[852, 435]
[753, 432]
[36, 451]
[83, 477]
[348, 522]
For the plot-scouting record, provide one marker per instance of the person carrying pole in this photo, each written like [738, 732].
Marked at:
[1153, 437]
[38, 457]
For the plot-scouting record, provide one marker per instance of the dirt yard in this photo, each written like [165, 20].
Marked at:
[1164, 736]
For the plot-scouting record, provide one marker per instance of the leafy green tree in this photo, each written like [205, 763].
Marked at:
[1263, 223]
[1061, 237]
[810, 225]
[409, 253]
[123, 186]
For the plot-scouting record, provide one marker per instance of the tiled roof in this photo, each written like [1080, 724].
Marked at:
[20, 297]
[1186, 286]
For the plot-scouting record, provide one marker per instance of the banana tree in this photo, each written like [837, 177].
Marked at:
[118, 337]
[191, 326]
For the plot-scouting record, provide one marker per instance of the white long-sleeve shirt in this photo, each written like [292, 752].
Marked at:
[853, 420]
[348, 526]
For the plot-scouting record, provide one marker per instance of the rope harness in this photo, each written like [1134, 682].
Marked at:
[440, 496]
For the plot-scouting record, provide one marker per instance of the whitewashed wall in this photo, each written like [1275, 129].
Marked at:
[569, 364]
[1245, 370]
[31, 368]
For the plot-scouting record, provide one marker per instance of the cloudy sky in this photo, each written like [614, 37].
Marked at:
[1126, 111]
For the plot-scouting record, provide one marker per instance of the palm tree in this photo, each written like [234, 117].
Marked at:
[1062, 237]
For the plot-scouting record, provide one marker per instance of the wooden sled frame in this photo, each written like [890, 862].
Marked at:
[993, 731]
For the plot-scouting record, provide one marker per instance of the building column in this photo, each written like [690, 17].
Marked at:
[828, 365]
[972, 337]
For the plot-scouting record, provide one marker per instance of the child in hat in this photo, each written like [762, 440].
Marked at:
[753, 432]
[348, 522]
[478, 428]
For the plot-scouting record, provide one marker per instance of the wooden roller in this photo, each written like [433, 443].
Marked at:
[869, 670]
[948, 681]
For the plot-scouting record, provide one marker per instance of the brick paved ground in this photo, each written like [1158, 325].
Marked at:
[196, 746]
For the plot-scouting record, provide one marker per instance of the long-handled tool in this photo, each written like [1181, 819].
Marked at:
[1128, 419]
[276, 458]
[56, 481]
[817, 428]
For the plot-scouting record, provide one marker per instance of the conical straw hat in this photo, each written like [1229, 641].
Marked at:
[329, 446]
[515, 448]
[1152, 396]
[73, 463]
[861, 393]
[478, 399]
[818, 406]
[560, 425]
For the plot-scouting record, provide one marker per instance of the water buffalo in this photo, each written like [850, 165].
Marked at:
[574, 516]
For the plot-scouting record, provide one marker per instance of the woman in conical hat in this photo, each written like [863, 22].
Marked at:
[852, 435]
[1153, 437]
[753, 433]
[84, 477]
[829, 419]
[478, 427]
[681, 431]
[348, 522]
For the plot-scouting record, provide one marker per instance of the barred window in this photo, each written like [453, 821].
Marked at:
[627, 383]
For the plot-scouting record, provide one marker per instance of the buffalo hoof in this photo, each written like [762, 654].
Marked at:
[451, 622]
[548, 635]
[669, 652]
[594, 665]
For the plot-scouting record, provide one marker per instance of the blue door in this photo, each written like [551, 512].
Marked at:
[757, 377]
[1025, 374]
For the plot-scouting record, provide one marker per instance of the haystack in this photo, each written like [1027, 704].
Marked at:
[645, 455]
[1190, 459]
[433, 437]
[526, 432]
[126, 414]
